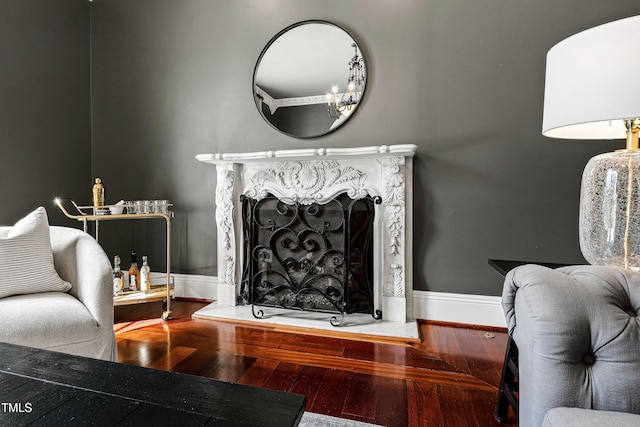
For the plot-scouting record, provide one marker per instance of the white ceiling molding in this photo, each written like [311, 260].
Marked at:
[274, 104]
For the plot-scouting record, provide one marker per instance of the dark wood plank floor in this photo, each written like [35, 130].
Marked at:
[448, 379]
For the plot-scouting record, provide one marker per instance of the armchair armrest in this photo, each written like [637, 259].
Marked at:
[81, 261]
[578, 336]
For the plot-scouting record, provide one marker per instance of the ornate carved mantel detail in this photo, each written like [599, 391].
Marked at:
[224, 206]
[307, 182]
[395, 283]
[317, 176]
[225, 220]
[394, 212]
[394, 195]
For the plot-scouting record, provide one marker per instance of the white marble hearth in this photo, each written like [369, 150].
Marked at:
[356, 324]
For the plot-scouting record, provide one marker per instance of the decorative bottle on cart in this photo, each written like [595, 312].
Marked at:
[145, 275]
[134, 273]
[98, 193]
[118, 276]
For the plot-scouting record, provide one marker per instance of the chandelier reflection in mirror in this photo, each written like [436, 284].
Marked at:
[344, 103]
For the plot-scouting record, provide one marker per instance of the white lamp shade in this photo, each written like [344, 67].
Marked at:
[593, 82]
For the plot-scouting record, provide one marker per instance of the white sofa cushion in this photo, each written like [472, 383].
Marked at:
[47, 320]
[26, 260]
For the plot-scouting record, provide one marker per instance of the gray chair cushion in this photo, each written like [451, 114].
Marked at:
[577, 417]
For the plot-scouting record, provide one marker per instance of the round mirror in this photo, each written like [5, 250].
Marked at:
[309, 79]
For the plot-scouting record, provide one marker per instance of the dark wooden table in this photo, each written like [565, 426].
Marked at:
[44, 388]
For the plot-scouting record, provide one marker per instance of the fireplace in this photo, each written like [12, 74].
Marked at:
[326, 230]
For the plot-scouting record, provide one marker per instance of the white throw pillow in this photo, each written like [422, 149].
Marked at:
[26, 260]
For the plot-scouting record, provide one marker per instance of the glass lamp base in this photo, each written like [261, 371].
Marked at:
[610, 210]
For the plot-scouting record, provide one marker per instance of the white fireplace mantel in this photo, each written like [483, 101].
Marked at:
[318, 175]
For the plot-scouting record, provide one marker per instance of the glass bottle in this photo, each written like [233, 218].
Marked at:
[134, 273]
[118, 276]
[98, 193]
[145, 275]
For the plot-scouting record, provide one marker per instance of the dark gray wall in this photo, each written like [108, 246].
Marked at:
[45, 126]
[461, 79]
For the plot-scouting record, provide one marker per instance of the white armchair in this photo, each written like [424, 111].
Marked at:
[79, 321]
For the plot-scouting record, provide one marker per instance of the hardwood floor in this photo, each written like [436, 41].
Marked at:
[448, 379]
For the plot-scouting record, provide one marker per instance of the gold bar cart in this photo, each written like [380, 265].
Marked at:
[156, 293]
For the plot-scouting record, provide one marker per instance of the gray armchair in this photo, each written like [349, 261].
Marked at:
[77, 322]
[578, 335]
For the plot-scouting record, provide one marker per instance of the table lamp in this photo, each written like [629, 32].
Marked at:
[592, 91]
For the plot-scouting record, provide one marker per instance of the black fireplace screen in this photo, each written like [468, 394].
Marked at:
[315, 257]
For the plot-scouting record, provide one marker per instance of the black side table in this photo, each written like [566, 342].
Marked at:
[508, 391]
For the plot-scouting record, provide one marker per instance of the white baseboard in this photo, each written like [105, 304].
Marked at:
[458, 308]
[439, 306]
[192, 285]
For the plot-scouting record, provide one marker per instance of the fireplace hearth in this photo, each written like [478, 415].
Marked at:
[325, 230]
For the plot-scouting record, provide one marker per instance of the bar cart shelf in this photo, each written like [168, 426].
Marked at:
[156, 293]
[164, 292]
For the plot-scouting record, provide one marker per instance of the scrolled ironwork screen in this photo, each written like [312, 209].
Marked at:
[315, 257]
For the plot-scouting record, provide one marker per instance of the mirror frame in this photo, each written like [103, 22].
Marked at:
[272, 41]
